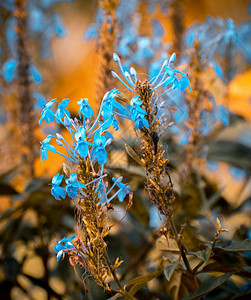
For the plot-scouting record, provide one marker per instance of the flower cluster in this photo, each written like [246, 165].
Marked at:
[167, 77]
[87, 152]
[64, 245]
[88, 139]
[89, 187]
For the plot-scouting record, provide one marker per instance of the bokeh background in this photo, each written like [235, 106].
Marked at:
[32, 220]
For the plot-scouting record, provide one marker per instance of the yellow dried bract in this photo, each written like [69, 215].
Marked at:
[93, 224]
[152, 156]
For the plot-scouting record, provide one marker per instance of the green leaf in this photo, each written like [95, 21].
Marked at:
[167, 244]
[139, 282]
[7, 176]
[208, 285]
[230, 152]
[173, 286]
[116, 296]
[169, 269]
[236, 246]
[203, 254]
[133, 154]
[36, 185]
[217, 267]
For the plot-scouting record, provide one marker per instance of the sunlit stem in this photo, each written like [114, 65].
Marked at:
[163, 77]
[165, 92]
[112, 197]
[162, 122]
[121, 115]
[104, 193]
[73, 139]
[68, 128]
[163, 82]
[127, 75]
[96, 179]
[112, 187]
[67, 144]
[60, 121]
[89, 156]
[102, 170]
[116, 59]
[97, 119]
[161, 69]
[115, 75]
[81, 192]
[84, 122]
[71, 153]
[215, 40]
[73, 160]
[98, 128]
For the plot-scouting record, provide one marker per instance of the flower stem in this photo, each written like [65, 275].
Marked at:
[182, 250]
[122, 290]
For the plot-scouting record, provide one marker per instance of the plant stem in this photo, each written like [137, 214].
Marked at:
[26, 118]
[180, 244]
[112, 270]
[182, 250]
[123, 291]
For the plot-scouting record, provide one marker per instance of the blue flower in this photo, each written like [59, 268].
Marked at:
[47, 114]
[57, 191]
[46, 147]
[73, 186]
[101, 190]
[141, 122]
[109, 104]
[111, 121]
[9, 68]
[138, 114]
[136, 109]
[212, 166]
[58, 26]
[91, 33]
[41, 101]
[100, 151]
[36, 75]
[217, 69]
[135, 101]
[85, 108]
[82, 145]
[11, 34]
[115, 124]
[180, 84]
[184, 83]
[37, 20]
[64, 245]
[237, 173]
[123, 189]
[61, 111]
